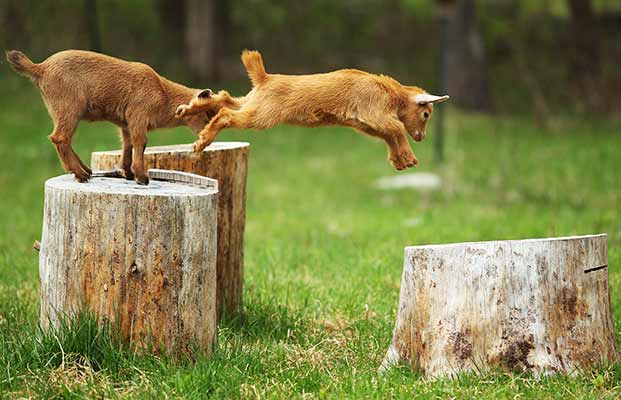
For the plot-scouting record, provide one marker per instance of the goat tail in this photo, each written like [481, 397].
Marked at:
[253, 62]
[22, 64]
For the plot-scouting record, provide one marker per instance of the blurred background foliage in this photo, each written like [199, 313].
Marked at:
[503, 56]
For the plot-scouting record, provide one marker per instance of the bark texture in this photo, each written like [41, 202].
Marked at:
[228, 163]
[537, 305]
[141, 257]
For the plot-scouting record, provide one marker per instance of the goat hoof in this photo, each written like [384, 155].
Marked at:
[180, 111]
[198, 147]
[397, 166]
[407, 160]
[142, 179]
[81, 178]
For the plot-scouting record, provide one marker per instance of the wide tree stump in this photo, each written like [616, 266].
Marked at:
[539, 305]
[141, 257]
[227, 162]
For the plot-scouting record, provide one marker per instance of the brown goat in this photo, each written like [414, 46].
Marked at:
[373, 104]
[82, 85]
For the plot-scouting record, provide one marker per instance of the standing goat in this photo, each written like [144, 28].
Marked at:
[373, 104]
[81, 85]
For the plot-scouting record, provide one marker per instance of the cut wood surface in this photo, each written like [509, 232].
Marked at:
[141, 256]
[539, 305]
[227, 162]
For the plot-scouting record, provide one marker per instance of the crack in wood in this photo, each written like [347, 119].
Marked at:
[586, 271]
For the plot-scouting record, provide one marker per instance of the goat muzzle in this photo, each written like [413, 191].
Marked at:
[419, 136]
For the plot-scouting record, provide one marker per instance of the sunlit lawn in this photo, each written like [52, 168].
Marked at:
[323, 255]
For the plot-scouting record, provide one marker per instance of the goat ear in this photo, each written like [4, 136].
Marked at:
[204, 94]
[426, 98]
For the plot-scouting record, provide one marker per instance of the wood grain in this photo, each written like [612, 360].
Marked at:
[540, 305]
[141, 256]
[227, 162]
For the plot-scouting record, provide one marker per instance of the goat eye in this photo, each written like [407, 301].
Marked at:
[426, 115]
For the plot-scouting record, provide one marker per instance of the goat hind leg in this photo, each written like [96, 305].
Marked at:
[212, 104]
[139, 142]
[225, 118]
[126, 155]
[228, 101]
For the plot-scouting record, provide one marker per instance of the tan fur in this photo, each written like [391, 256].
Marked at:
[373, 104]
[81, 85]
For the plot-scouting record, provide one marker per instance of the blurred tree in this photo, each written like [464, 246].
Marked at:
[542, 55]
[464, 52]
[13, 19]
[91, 20]
[205, 32]
[584, 32]
[585, 51]
[172, 15]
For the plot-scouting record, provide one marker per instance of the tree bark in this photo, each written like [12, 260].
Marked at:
[227, 162]
[539, 305]
[464, 52]
[143, 258]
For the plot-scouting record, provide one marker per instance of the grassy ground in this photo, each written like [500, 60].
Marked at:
[323, 256]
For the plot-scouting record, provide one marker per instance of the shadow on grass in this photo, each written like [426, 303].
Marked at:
[79, 343]
[83, 339]
[263, 319]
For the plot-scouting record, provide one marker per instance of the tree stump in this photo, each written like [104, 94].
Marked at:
[227, 162]
[540, 305]
[143, 257]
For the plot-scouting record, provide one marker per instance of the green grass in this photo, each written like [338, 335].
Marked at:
[323, 259]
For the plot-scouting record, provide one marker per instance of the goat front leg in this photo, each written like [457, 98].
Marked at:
[400, 153]
[393, 133]
[225, 118]
[138, 135]
[84, 166]
[61, 137]
[126, 154]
